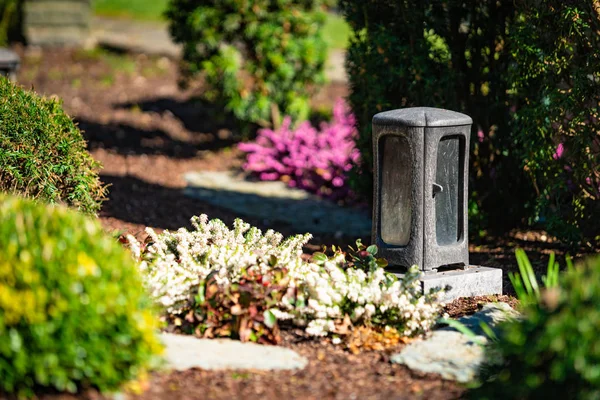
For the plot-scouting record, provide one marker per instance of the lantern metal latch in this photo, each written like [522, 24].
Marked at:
[437, 189]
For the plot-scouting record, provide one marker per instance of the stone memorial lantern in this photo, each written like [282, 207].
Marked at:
[9, 63]
[421, 164]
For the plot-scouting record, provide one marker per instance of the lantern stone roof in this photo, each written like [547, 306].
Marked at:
[422, 117]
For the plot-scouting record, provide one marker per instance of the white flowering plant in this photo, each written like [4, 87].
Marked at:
[264, 279]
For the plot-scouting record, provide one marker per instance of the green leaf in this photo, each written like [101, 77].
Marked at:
[569, 262]
[253, 337]
[532, 290]
[319, 257]
[372, 249]
[272, 260]
[462, 328]
[200, 298]
[489, 332]
[270, 319]
[382, 262]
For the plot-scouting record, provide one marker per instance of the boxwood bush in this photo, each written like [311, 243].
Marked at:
[259, 58]
[42, 152]
[73, 311]
[553, 350]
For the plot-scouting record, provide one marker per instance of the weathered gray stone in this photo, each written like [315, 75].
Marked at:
[420, 186]
[491, 314]
[472, 281]
[184, 352]
[452, 355]
[274, 201]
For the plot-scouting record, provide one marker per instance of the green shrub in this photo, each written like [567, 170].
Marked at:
[42, 152]
[449, 54]
[528, 75]
[553, 350]
[556, 86]
[73, 311]
[259, 58]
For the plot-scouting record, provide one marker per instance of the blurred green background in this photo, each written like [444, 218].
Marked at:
[335, 32]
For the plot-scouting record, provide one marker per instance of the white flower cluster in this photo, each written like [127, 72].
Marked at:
[330, 291]
[319, 295]
[175, 263]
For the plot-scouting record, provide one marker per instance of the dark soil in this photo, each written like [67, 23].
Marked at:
[147, 132]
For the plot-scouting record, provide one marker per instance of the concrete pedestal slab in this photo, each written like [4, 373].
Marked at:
[468, 282]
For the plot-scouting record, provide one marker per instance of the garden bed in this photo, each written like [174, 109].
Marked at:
[147, 132]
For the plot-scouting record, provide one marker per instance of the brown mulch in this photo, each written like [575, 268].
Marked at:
[470, 305]
[332, 373]
[147, 132]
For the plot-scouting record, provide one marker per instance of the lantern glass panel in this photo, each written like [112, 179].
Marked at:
[395, 196]
[448, 202]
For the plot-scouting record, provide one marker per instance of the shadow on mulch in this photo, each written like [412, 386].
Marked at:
[139, 202]
[126, 139]
[135, 201]
[196, 114]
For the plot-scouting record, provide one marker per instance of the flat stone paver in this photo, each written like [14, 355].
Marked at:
[274, 201]
[451, 354]
[184, 352]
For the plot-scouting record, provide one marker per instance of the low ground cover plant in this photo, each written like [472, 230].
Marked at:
[42, 152]
[316, 160]
[552, 350]
[240, 282]
[73, 311]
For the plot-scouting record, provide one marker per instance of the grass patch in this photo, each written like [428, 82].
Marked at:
[145, 10]
[336, 32]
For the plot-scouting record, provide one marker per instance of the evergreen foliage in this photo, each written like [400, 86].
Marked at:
[42, 152]
[259, 58]
[552, 350]
[526, 73]
[73, 311]
[556, 84]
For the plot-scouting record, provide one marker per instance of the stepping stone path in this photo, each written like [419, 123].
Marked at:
[274, 201]
[183, 352]
[451, 354]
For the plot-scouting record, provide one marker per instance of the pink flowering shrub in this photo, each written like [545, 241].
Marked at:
[316, 160]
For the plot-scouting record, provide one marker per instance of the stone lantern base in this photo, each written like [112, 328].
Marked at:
[468, 282]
